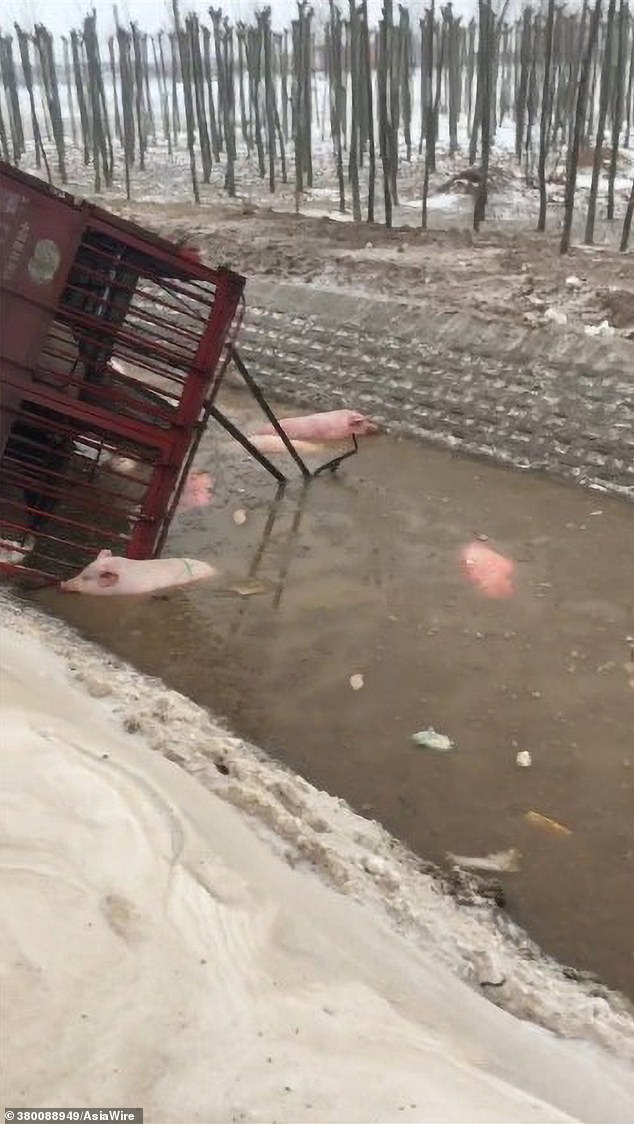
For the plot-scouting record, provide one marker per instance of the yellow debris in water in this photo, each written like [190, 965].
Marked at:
[547, 824]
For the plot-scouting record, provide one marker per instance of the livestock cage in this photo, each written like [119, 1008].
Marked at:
[113, 343]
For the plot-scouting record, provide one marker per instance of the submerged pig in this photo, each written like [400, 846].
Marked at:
[335, 425]
[491, 572]
[111, 576]
[197, 492]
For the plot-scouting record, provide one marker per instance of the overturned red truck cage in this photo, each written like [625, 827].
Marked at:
[113, 343]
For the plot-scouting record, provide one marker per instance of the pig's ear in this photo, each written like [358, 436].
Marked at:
[107, 578]
[104, 554]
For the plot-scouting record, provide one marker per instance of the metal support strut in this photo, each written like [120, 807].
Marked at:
[226, 423]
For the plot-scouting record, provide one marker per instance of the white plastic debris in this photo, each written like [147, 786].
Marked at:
[555, 316]
[356, 682]
[13, 553]
[573, 282]
[602, 329]
[239, 517]
[431, 739]
[524, 759]
[506, 862]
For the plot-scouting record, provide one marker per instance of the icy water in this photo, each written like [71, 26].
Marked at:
[360, 575]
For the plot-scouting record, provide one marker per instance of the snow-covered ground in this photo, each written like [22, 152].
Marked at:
[512, 201]
[233, 944]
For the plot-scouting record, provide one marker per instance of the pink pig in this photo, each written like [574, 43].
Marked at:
[271, 443]
[197, 492]
[334, 425]
[111, 576]
[490, 571]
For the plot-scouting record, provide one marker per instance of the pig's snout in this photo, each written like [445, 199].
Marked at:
[364, 427]
[73, 585]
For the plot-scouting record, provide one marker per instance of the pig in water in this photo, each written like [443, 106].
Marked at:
[489, 571]
[271, 443]
[111, 576]
[335, 425]
[197, 492]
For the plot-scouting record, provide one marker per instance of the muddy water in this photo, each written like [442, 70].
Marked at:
[361, 576]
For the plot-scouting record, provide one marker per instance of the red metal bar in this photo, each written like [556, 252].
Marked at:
[116, 291]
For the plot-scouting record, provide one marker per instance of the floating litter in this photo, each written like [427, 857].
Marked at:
[431, 739]
[502, 862]
[547, 824]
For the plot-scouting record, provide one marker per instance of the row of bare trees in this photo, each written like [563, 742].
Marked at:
[560, 83]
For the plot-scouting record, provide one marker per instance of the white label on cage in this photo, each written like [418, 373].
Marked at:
[45, 261]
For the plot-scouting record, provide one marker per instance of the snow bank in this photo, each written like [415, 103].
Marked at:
[163, 948]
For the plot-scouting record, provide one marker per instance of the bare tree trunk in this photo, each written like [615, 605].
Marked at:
[229, 117]
[298, 116]
[405, 47]
[254, 61]
[306, 24]
[617, 102]
[334, 47]
[630, 84]
[531, 105]
[115, 95]
[365, 34]
[192, 28]
[394, 108]
[280, 138]
[186, 73]
[589, 129]
[103, 156]
[525, 66]
[138, 89]
[9, 81]
[4, 140]
[176, 68]
[384, 128]
[264, 23]
[485, 67]
[442, 37]
[426, 72]
[627, 225]
[69, 90]
[573, 153]
[148, 95]
[471, 66]
[40, 152]
[355, 74]
[159, 66]
[244, 122]
[604, 97]
[285, 70]
[544, 125]
[86, 129]
[126, 74]
[216, 19]
[430, 126]
[39, 82]
[576, 71]
[213, 123]
[453, 73]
